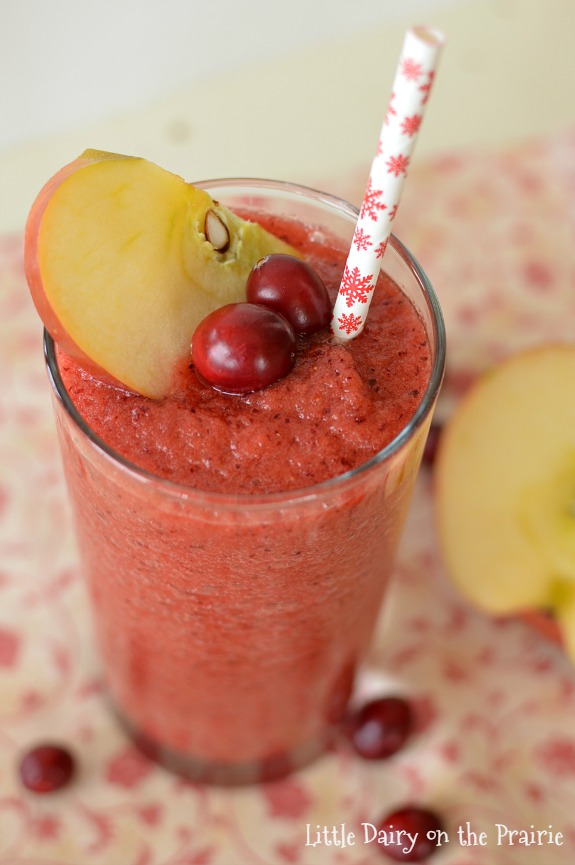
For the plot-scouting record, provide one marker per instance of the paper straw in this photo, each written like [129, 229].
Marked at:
[411, 87]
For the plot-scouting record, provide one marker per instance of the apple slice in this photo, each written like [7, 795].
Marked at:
[505, 484]
[124, 259]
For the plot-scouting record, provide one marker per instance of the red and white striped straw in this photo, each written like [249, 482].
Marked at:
[411, 87]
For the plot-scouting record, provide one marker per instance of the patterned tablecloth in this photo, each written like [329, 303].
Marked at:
[494, 702]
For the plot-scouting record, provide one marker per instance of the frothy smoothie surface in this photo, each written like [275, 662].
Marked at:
[339, 406]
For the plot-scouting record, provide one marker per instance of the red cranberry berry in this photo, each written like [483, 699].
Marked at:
[242, 347]
[293, 288]
[415, 833]
[380, 727]
[46, 768]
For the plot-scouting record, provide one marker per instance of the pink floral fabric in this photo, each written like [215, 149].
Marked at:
[494, 702]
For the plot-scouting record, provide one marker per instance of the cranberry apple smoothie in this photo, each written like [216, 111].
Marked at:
[336, 409]
[237, 546]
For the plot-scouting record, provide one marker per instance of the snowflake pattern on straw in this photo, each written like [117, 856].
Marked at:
[349, 322]
[361, 239]
[397, 165]
[355, 287]
[411, 69]
[426, 88]
[372, 203]
[379, 252]
[410, 125]
[402, 121]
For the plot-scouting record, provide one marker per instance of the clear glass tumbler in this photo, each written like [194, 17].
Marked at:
[231, 627]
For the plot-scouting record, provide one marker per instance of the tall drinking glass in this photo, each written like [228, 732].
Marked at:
[231, 627]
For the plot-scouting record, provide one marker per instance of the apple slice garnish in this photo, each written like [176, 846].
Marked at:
[505, 484]
[124, 259]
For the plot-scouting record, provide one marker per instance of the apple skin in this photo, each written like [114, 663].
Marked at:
[122, 265]
[32, 268]
[505, 490]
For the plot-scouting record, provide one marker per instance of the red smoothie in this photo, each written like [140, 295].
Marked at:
[231, 608]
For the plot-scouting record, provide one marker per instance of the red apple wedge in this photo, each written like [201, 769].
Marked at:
[505, 483]
[124, 259]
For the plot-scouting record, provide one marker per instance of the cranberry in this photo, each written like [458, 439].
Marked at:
[293, 288]
[242, 347]
[421, 824]
[46, 768]
[380, 727]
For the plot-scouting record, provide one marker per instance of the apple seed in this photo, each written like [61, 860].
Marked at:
[216, 231]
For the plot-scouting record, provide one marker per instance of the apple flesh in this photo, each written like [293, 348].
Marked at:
[505, 486]
[124, 259]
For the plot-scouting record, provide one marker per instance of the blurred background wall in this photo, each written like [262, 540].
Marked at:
[295, 90]
[70, 62]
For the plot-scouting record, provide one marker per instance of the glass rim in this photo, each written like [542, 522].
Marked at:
[284, 498]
